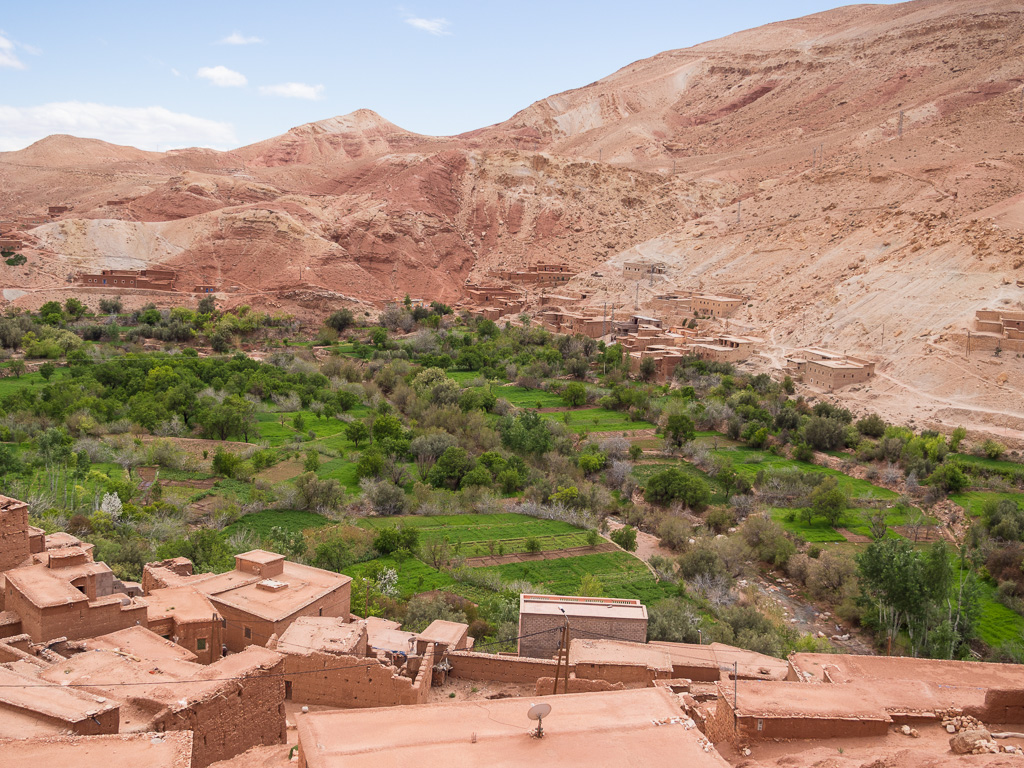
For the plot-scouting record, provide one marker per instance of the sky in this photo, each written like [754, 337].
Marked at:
[224, 74]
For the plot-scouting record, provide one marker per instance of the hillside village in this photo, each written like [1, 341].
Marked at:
[675, 419]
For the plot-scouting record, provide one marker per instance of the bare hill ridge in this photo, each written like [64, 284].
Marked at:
[875, 152]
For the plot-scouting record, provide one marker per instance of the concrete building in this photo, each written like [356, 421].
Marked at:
[619, 728]
[541, 618]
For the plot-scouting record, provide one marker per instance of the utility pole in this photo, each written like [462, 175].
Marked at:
[901, 124]
[814, 157]
[674, 162]
[563, 647]
[636, 302]
[739, 208]
[600, 155]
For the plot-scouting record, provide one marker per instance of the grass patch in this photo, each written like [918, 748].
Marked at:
[597, 420]
[973, 501]
[342, 470]
[748, 462]
[11, 384]
[526, 398]
[621, 574]
[1001, 465]
[997, 624]
[292, 520]
[643, 472]
[817, 531]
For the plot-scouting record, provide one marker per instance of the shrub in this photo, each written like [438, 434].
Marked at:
[768, 540]
[674, 533]
[384, 497]
[992, 449]
[226, 463]
[574, 395]
[949, 478]
[823, 433]
[872, 426]
[672, 620]
[394, 538]
[341, 320]
[625, 537]
[532, 545]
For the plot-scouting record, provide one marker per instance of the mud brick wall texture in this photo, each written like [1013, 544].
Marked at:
[14, 549]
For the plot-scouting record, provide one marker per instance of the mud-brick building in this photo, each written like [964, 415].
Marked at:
[14, 533]
[188, 618]
[152, 279]
[70, 596]
[260, 598]
[541, 618]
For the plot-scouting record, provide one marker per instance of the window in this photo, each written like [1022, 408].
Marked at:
[760, 724]
[201, 644]
[248, 633]
[288, 689]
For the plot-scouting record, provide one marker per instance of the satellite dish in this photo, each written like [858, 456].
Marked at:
[538, 712]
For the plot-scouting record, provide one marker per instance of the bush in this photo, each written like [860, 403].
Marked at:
[625, 537]
[674, 533]
[394, 538]
[226, 463]
[423, 611]
[768, 540]
[949, 478]
[340, 321]
[672, 620]
[384, 497]
[872, 426]
[574, 395]
[824, 434]
[701, 560]
[673, 484]
[992, 449]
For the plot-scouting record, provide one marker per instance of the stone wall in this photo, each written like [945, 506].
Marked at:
[545, 645]
[75, 620]
[545, 685]
[1001, 706]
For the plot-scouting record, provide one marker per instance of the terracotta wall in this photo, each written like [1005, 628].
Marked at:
[14, 549]
[1001, 706]
[545, 685]
[336, 603]
[617, 673]
[806, 727]
[75, 620]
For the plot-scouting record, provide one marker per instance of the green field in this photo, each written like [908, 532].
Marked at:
[972, 501]
[473, 533]
[1001, 465]
[621, 574]
[11, 384]
[276, 434]
[748, 462]
[818, 532]
[854, 520]
[293, 521]
[597, 420]
[997, 624]
[527, 398]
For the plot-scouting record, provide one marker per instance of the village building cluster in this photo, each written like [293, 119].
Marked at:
[997, 329]
[186, 669]
[138, 279]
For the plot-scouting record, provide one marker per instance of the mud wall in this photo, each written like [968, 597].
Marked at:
[500, 669]
[352, 682]
[1001, 706]
[243, 714]
[806, 727]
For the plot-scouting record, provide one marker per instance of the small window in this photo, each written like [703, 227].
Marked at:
[201, 644]
[248, 633]
[760, 724]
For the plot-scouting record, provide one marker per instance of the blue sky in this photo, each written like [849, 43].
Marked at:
[224, 74]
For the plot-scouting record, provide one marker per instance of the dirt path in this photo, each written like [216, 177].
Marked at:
[647, 545]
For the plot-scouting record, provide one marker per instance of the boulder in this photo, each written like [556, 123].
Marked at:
[965, 742]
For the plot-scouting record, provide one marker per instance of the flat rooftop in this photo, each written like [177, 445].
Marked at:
[585, 651]
[842, 668]
[605, 607]
[51, 702]
[447, 632]
[619, 728]
[305, 584]
[46, 587]
[141, 644]
[309, 634]
[151, 750]
[183, 604]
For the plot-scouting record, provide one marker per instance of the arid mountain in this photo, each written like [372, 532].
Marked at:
[859, 174]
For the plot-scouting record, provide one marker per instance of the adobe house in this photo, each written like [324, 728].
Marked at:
[151, 279]
[261, 597]
[14, 534]
[541, 618]
[30, 708]
[70, 596]
[617, 728]
[188, 618]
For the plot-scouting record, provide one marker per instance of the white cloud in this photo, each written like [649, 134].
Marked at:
[433, 26]
[294, 91]
[222, 76]
[237, 38]
[8, 58]
[153, 128]
[175, 72]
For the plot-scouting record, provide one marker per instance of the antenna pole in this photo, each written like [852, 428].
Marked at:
[567, 640]
[735, 684]
[558, 666]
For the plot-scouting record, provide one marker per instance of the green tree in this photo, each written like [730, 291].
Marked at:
[312, 462]
[679, 429]
[625, 537]
[648, 369]
[823, 433]
[75, 309]
[450, 467]
[574, 394]
[590, 586]
[46, 370]
[673, 484]
[828, 501]
[356, 432]
[341, 320]
[379, 337]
